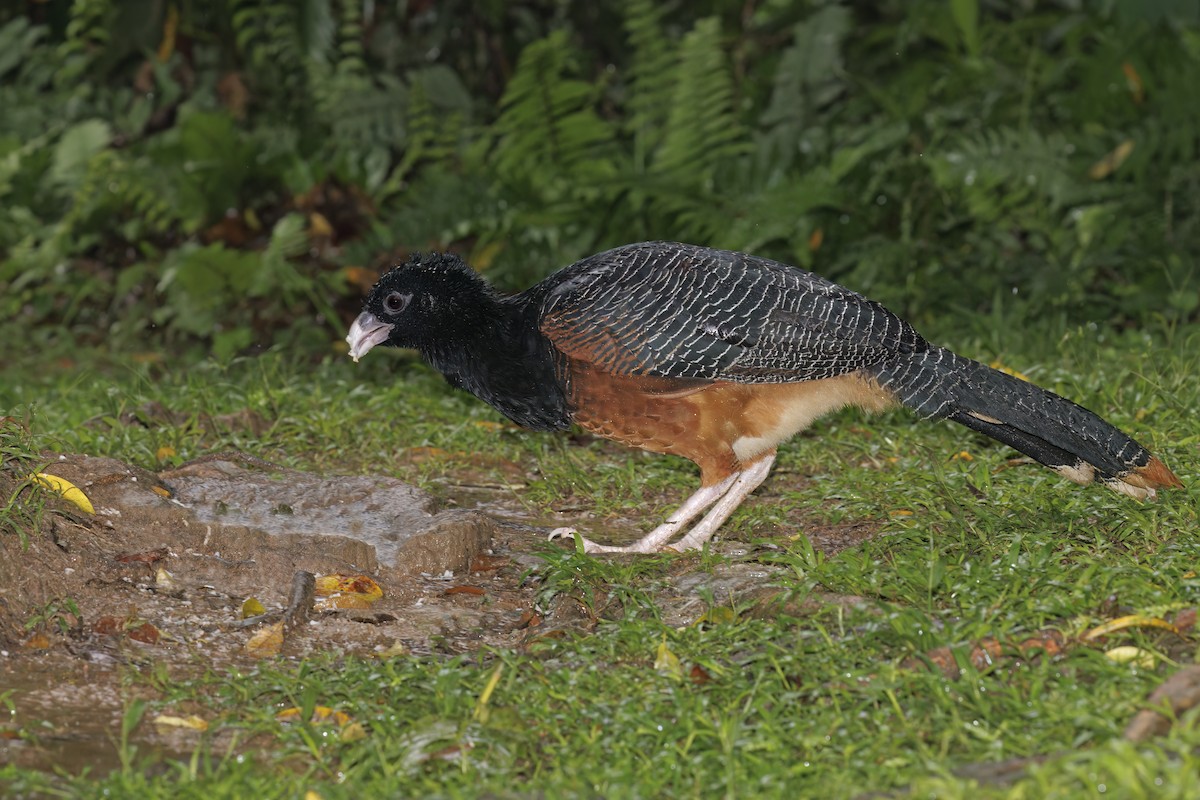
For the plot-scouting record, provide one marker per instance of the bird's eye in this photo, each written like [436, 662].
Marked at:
[396, 302]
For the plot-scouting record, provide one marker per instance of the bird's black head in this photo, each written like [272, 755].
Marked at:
[429, 297]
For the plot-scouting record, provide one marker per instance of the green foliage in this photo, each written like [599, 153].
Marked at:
[938, 155]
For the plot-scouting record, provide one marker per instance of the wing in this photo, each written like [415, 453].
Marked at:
[685, 312]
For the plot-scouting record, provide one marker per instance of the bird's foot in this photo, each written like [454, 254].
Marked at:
[592, 547]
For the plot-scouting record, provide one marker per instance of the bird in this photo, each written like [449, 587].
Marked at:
[719, 357]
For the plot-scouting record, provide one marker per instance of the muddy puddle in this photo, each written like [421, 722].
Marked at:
[157, 578]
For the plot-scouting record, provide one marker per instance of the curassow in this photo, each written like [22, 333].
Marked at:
[718, 357]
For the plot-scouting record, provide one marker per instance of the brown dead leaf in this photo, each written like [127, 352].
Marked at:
[529, 620]
[233, 94]
[815, 239]
[144, 633]
[464, 589]
[482, 562]
[38, 641]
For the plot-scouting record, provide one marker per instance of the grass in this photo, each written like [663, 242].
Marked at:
[831, 702]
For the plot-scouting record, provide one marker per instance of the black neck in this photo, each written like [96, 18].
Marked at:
[495, 351]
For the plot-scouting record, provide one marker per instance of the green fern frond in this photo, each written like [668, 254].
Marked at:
[548, 119]
[651, 77]
[809, 76]
[86, 35]
[702, 129]
[1000, 170]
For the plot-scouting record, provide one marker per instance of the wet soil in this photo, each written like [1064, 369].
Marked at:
[156, 579]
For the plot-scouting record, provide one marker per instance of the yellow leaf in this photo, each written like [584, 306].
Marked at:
[170, 25]
[962, 455]
[397, 649]
[667, 662]
[160, 491]
[252, 608]
[1134, 81]
[1130, 621]
[192, 723]
[342, 600]
[1111, 162]
[318, 225]
[164, 452]
[163, 579]
[65, 489]
[1135, 656]
[353, 732]
[320, 714]
[266, 642]
[719, 615]
[346, 591]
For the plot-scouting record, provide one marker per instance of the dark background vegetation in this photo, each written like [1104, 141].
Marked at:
[226, 176]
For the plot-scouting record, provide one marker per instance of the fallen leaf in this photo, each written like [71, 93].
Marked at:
[191, 723]
[529, 619]
[266, 642]
[353, 732]
[699, 675]
[65, 489]
[163, 453]
[396, 649]
[1129, 621]
[1135, 656]
[667, 662]
[38, 641]
[485, 563]
[815, 239]
[252, 607]
[464, 589]
[1133, 80]
[144, 633]
[1111, 162]
[350, 584]
[345, 591]
[318, 226]
[163, 580]
[320, 714]
[342, 601]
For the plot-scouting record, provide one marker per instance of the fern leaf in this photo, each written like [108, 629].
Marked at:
[548, 118]
[702, 129]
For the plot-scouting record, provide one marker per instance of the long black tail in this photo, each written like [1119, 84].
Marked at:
[1058, 433]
